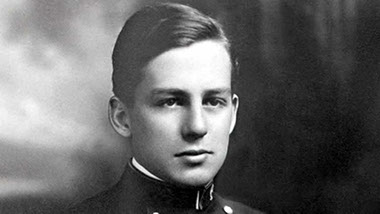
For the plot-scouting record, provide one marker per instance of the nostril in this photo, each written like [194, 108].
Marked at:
[193, 136]
[194, 126]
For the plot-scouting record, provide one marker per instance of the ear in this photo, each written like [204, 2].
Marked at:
[235, 106]
[119, 117]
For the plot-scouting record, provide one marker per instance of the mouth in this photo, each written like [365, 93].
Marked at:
[193, 153]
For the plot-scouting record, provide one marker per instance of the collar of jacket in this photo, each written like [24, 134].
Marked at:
[148, 193]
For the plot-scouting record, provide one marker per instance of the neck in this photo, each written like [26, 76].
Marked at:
[143, 170]
[157, 193]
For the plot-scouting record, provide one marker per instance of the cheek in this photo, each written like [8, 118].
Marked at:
[221, 123]
[221, 131]
[153, 136]
[155, 126]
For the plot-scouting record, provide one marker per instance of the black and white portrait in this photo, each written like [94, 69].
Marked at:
[128, 106]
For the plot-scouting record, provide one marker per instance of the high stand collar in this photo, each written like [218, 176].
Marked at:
[156, 194]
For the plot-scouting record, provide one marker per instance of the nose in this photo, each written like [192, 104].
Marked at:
[194, 126]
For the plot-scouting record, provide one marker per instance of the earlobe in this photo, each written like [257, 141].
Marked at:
[235, 106]
[119, 117]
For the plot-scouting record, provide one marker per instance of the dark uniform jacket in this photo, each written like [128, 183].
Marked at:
[137, 193]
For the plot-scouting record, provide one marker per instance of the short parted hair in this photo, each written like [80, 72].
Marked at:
[152, 31]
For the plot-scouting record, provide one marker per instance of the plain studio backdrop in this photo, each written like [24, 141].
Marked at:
[307, 137]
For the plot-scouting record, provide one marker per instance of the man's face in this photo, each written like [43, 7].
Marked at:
[183, 113]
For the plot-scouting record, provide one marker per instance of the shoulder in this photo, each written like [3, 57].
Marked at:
[230, 206]
[100, 203]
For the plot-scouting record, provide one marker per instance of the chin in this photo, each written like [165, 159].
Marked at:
[195, 179]
[193, 183]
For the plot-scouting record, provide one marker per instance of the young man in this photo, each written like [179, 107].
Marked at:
[175, 105]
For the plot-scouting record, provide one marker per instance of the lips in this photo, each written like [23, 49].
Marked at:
[193, 153]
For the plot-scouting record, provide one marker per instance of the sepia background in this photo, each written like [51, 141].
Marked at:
[307, 137]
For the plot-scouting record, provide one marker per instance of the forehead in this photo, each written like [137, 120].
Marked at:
[202, 65]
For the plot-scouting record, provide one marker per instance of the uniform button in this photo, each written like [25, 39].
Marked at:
[155, 213]
[228, 210]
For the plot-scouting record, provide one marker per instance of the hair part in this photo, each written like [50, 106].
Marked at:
[152, 31]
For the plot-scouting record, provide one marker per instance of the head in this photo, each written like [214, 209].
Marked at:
[174, 99]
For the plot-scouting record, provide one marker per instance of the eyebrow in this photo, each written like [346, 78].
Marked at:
[172, 91]
[180, 92]
[218, 91]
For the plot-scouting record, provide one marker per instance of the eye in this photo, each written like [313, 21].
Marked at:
[215, 102]
[170, 102]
